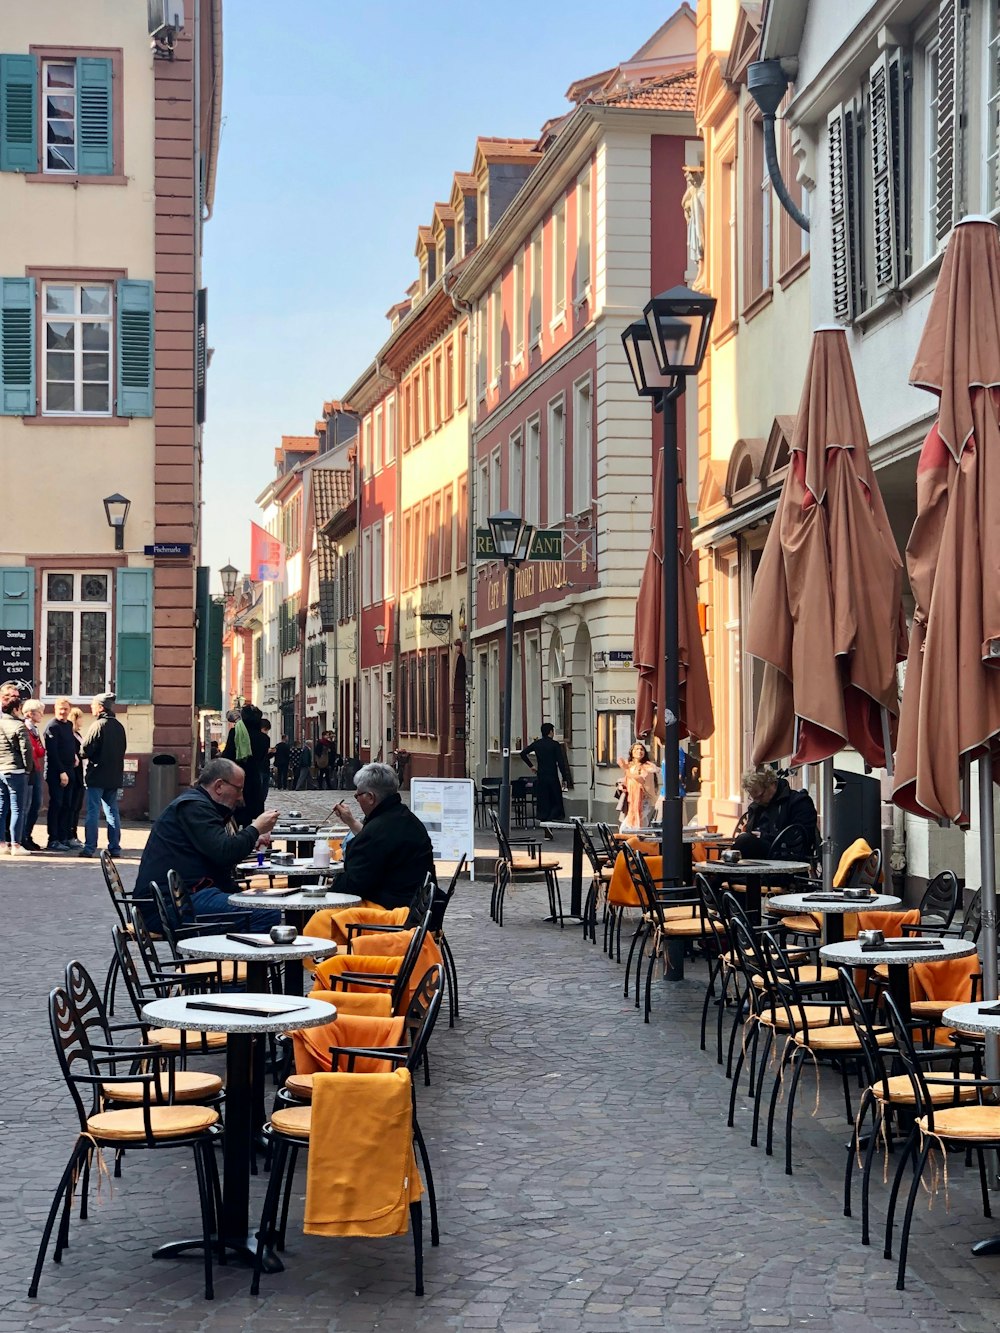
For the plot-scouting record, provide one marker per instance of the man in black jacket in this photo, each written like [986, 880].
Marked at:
[104, 750]
[197, 836]
[553, 771]
[775, 808]
[387, 860]
[60, 760]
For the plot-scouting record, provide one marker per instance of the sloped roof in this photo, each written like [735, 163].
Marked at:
[332, 491]
[674, 92]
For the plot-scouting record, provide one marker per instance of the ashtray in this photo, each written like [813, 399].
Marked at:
[295, 814]
[857, 895]
[873, 938]
[314, 891]
[284, 934]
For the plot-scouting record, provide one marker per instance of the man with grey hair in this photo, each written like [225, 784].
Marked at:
[387, 860]
[197, 837]
[776, 808]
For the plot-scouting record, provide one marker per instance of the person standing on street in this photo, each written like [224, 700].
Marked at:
[16, 767]
[104, 750]
[282, 751]
[60, 761]
[552, 769]
[79, 790]
[265, 762]
[33, 711]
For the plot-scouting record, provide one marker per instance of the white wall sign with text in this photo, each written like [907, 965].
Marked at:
[446, 807]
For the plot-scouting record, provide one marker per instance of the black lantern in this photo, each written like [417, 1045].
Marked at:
[650, 380]
[116, 508]
[512, 537]
[229, 575]
[679, 322]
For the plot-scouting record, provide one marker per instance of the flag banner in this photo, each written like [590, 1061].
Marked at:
[267, 556]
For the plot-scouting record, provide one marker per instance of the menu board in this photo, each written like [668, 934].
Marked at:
[446, 808]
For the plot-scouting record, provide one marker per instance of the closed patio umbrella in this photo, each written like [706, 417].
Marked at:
[826, 617]
[951, 696]
[696, 719]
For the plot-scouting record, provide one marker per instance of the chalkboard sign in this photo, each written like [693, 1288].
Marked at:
[17, 654]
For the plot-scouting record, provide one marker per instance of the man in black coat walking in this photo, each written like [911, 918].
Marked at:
[552, 769]
[104, 750]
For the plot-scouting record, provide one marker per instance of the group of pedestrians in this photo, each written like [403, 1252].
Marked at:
[299, 767]
[71, 766]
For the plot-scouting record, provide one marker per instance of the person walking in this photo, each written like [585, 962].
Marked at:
[303, 773]
[552, 769]
[33, 710]
[265, 760]
[78, 789]
[282, 752]
[637, 800]
[323, 756]
[60, 761]
[247, 746]
[104, 749]
[16, 767]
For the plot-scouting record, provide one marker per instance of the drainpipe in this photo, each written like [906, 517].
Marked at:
[767, 81]
[466, 309]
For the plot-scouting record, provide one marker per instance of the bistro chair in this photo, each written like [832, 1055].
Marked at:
[669, 916]
[187, 917]
[511, 869]
[290, 1128]
[969, 1126]
[938, 907]
[866, 873]
[121, 902]
[488, 799]
[602, 868]
[151, 1124]
[220, 973]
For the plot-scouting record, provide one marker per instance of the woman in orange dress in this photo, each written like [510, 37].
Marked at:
[639, 783]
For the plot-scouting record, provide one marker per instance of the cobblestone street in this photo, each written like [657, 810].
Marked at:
[586, 1175]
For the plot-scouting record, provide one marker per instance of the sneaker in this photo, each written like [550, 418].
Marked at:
[85, 852]
[74, 844]
[57, 847]
[30, 844]
[16, 849]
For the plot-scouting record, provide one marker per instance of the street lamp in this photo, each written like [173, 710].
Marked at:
[116, 508]
[512, 538]
[663, 348]
[229, 575]
[380, 634]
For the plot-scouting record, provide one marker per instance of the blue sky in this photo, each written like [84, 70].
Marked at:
[343, 123]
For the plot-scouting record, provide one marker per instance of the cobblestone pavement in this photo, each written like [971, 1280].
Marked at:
[587, 1179]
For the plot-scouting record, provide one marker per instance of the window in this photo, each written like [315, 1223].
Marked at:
[60, 101]
[366, 567]
[438, 389]
[419, 538]
[462, 535]
[517, 318]
[389, 563]
[414, 709]
[428, 409]
[535, 308]
[493, 721]
[481, 348]
[483, 510]
[288, 625]
[404, 700]
[77, 345]
[418, 427]
[583, 451]
[449, 380]
[366, 708]
[407, 576]
[432, 693]
[434, 539]
[558, 259]
[378, 553]
[757, 210]
[390, 430]
[533, 472]
[516, 698]
[532, 684]
[931, 101]
[463, 365]
[77, 102]
[76, 613]
[496, 324]
[378, 441]
[555, 455]
[447, 519]
[484, 702]
[728, 247]
[515, 473]
[422, 693]
[496, 488]
[582, 282]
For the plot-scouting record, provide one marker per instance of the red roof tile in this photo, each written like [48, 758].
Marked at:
[675, 92]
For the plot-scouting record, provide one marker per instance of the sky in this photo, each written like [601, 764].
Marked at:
[343, 122]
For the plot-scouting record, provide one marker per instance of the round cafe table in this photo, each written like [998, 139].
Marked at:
[832, 907]
[296, 908]
[244, 1017]
[899, 960]
[975, 1018]
[752, 874]
[257, 956]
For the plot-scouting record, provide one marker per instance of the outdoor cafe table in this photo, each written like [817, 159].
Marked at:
[303, 868]
[833, 912]
[976, 1018]
[280, 1014]
[753, 875]
[849, 953]
[297, 908]
[257, 957]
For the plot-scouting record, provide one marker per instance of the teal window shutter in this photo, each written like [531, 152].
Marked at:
[19, 90]
[17, 347]
[134, 636]
[17, 597]
[94, 114]
[135, 348]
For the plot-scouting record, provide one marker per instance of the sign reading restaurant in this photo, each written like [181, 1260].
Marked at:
[545, 545]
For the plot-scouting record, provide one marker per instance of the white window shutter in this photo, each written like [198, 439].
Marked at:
[887, 142]
[841, 141]
[952, 117]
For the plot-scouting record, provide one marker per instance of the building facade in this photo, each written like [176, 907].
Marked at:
[107, 171]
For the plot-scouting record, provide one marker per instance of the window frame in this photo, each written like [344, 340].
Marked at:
[517, 306]
[555, 453]
[57, 54]
[584, 227]
[583, 390]
[77, 607]
[78, 352]
[557, 293]
[533, 469]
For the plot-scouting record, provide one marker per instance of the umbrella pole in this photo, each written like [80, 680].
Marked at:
[988, 899]
[826, 787]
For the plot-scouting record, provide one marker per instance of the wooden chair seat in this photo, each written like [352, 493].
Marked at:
[522, 864]
[803, 924]
[966, 1123]
[170, 1039]
[188, 1087]
[838, 1037]
[901, 1090]
[295, 1121]
[166, 1122]
[228, 972]
[300, 1086]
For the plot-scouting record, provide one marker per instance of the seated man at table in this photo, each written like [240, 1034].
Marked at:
[387, 859]
[775, 808]
[197, 836]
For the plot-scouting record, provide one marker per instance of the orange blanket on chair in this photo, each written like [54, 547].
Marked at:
[312, 1047]
[332, 925]
[379, 954]
[372, 1004]
[621, 890]
[362, 1174]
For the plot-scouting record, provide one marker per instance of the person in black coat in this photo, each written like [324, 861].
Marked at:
[387, 860]
[253, 788]
[552, 769]
[775, 807]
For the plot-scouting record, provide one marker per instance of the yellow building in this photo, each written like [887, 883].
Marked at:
[107, 170]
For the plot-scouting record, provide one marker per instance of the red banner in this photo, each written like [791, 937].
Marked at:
[267, 556]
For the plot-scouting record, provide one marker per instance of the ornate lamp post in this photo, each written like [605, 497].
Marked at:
[512, 538]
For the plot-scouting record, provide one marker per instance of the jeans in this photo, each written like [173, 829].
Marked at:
[13, 804]
[213, 901]
[34, 799]
[106, 798]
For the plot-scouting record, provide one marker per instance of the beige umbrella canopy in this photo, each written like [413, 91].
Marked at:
[951, 697]
[826, 617]
[696, 717]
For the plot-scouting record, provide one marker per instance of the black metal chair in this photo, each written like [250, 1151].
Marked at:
[121, 902]
[938, 907]
[289, 1128]
[187, 917]
[509, 870]
[671, 917]
[601, 868]
[487, 799]
[151, 1125]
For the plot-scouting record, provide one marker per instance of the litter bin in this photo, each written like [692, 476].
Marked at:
[162, 783]
[857, 811]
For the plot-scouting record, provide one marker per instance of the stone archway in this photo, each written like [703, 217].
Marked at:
[581, 754]
[458, 766]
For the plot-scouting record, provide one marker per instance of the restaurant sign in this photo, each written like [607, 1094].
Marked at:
[545, 545]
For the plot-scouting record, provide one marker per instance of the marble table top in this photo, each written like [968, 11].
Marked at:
[296, 902]
[799, 902]
[850, 954]
[751, 867]
[225, 949]
[970, 1017]
[285, 1013]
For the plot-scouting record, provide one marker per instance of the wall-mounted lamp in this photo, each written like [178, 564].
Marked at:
[229, 575]
[116, 508]
[380, 635]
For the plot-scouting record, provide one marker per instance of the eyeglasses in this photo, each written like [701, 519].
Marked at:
[226, 783]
